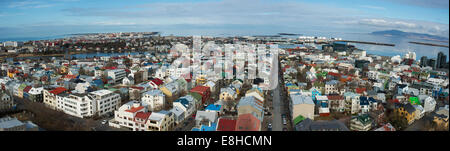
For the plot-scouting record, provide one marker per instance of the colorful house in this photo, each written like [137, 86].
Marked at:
[204, 91]
[407, 111]
[414, 100]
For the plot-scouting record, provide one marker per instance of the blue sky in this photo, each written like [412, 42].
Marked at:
[27, 18]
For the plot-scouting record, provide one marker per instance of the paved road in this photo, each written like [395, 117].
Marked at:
[277, 124]
[276, 121]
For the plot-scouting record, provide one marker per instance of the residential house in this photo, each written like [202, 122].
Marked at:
[186, 104]
[36, 94]
[226, 124]
[310, 125]
[178, 114]
[128, 80]
[228, 94]
[12, 124]
[154, 100]
[337, 103]
[248, 122]
[407, 111]
[117, 75]
[169, 89]
[323, 104]
[386, 127]
[6, 102]
[364, 105]
[361, 123]
[50, 96]
[204, 91]
[161, 121]
[205, 116]
[250, 105]
[301, 105]
[331, 87]
[352, 102]
[124, 117]
[429, 104]
[212, 86]
[420, 111]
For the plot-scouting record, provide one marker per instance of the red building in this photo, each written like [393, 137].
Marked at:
[204, 91]
[225, 124]
[248, 122]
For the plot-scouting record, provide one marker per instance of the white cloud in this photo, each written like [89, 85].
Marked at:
[373, 7]
[29, 4]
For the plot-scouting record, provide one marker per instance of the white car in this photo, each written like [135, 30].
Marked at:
[104, 121]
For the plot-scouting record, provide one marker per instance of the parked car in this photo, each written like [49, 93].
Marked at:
[269, 127]
[104, 121]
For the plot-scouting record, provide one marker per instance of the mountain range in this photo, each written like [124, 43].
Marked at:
[412, 35]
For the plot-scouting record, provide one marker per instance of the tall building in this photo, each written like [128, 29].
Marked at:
[431, 63]
[441, 60]
[423, 61]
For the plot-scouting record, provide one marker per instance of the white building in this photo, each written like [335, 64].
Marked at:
[98, 103]
[117, 75]
[160, 121]
[331, 87]
[429, 104]
[124, 117]
[12, 44]
[153, 100]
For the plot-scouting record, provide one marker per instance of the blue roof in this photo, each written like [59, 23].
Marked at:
[363, 100]
[213, 107]
[183, 101]
[206, 128]
[371, 99]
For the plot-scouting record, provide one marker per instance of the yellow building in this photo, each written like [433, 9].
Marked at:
[201, 80]
[407, 111]
[169, 89]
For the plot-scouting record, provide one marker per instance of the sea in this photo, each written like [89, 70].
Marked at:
[402, 45]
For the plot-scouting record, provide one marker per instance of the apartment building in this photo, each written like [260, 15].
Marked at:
[117, 75]
[105, 101]
[125, 116]
[160, 121]
[153, 100]
[98, 103]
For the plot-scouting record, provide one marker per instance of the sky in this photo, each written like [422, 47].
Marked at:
[34, 18]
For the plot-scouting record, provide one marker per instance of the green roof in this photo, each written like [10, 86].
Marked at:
[113, 89]
[195, 95]
[414, 100]
[365, 119]
[298, 119]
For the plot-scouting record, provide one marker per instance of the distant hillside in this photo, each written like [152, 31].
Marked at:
[398, 33]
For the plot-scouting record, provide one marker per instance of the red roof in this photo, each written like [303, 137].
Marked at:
[135, 109]
[334, 74]
[226, 125]
[70, 76]
[200, 89]
[110, 68]
[58, 90]
[248, 122]
[142, 115]
[27, 88]
[157, 81]
[360, 90]
[140, 88]
[335, 97]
